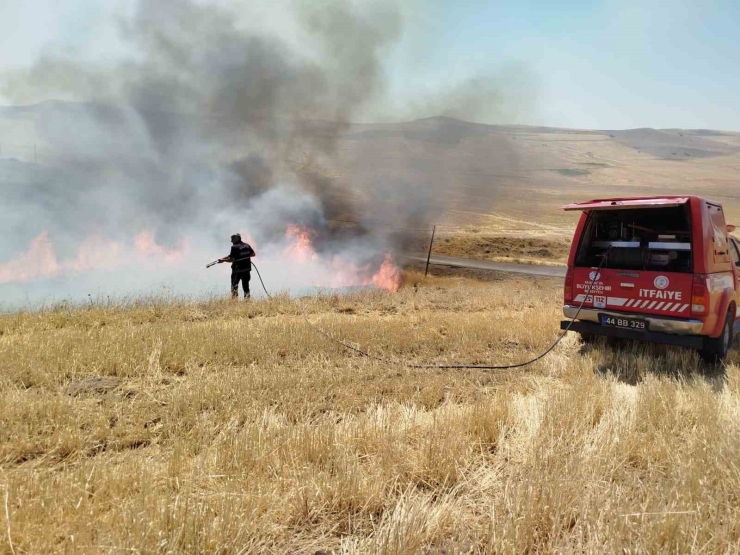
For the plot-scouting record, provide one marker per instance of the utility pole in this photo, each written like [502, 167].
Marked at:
[429, 256]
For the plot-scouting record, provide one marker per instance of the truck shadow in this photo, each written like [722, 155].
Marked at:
[631, 362]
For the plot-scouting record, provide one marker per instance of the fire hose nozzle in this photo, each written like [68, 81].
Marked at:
[212, 264]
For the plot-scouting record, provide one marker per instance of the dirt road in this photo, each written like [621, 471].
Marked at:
[528, 269]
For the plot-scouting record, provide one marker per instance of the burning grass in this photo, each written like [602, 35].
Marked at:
[96, 252]
[295, 254]
[233, 428]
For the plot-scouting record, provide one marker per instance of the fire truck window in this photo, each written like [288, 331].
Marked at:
[721, 250]
[654, 239]
[734, 253]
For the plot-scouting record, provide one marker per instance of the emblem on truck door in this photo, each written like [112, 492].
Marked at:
[594, 276]
[661, 282]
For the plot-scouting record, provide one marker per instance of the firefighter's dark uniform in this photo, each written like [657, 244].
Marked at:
[241, 267]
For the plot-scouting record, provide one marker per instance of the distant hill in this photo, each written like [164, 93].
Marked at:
[473, 169]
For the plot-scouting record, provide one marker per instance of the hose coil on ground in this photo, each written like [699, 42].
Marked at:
[446, 366]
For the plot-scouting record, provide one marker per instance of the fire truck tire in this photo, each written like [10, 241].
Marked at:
[716, 348]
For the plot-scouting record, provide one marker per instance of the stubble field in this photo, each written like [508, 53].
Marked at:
[220, 427]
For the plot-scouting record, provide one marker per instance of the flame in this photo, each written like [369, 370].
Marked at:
[349, 274]
[300, 248]
[39, 262]
[146, 245]
[344, 273]
[389, 276]
[98, 252]
[94, 253]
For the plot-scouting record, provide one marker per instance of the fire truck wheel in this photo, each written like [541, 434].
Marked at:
[716, 348]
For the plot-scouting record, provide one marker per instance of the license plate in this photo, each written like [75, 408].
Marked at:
[623, 322]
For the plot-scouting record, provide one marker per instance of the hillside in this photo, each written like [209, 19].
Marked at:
[495, 191]
[471, 170]
[524, 171]
[222, 427]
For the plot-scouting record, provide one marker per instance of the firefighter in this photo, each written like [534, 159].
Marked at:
[241, 265]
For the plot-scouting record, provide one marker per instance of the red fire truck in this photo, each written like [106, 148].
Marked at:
[658, 269]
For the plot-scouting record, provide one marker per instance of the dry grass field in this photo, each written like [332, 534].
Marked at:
[164, 426]
[220, 427]
[551, 251]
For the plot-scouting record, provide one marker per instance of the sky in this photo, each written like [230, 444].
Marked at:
[610, 64]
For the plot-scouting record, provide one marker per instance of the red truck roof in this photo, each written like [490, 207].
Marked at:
[628, 203]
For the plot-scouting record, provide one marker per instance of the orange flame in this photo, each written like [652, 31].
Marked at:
[301, 250]
[344, 273]
[389, 276]
[146, 245]
[98, 252]
[348, 274]
[95, 252]
[39, 262]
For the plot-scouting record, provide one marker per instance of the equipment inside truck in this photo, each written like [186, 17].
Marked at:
[648, 239]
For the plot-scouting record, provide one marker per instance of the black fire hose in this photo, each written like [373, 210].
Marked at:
[262, 282]
[253, 266]
[450, 366]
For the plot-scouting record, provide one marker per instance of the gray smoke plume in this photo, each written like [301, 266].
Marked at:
[211, 115]
[213, 126]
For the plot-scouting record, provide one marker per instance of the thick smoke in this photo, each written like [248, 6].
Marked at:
[213, 126]
[212, 115]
